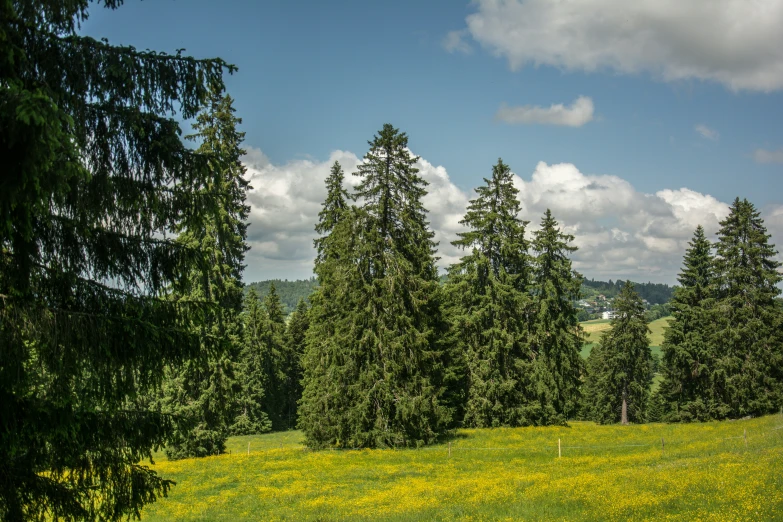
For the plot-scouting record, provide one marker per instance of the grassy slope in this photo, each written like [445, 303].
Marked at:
[594, 329]
[606, 473]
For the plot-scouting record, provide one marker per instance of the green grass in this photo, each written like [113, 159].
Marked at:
[657, 328]
[594, 329]
[705, 472]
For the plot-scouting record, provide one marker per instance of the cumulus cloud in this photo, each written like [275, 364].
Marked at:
[454, 41]
[768, 156]
[579, 113]
[620, 231]
[737, 43]
[285, 201]
[706, 132]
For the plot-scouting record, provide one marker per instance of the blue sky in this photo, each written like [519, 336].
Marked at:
[674, 97]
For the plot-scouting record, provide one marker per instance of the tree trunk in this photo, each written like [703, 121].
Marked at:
[624, 410]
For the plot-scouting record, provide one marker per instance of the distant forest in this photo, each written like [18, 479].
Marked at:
[655, 293]
[291, 291]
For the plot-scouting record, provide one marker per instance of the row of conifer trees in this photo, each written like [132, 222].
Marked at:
[387, 356]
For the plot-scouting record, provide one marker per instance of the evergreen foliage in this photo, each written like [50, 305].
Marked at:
[556, 338]
[200, 393]
[373, 367]
[490, 306]
[295, 333]
[687, 355]
[334, 208]
[250, 404]
[95, 181]
[618, 368]
[276, 360]
[748, 348]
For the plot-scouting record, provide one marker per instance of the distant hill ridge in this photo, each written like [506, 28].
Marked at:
[291, 291]
[654, 293]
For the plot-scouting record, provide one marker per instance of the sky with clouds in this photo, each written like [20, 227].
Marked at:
[633, 122]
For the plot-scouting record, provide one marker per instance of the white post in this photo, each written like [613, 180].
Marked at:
[248, 448]
[559, 454]
[449, 449]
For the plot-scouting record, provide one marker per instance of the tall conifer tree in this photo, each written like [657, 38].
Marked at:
[200, 393]
[376, 380]
[95, 181]
[325, 376]
[556, 338]
[618, 369]
[747, 343]
[490, 306]
[275, 359]
[251, 401]
[687, 362]
[295, 333]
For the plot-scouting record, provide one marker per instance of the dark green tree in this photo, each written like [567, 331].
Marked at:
[200, 393]
[276, 360]
[295, 333]
[251, 402]
[377, 379]
[687, 361]
[556, 338]
[618, 369]
[490, 307]
[334, 207]
[747, 342]
[96, 183]
[325, 372]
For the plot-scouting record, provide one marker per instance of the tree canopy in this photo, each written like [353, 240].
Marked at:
[96, 185]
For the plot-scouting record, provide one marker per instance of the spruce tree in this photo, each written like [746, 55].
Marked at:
[325, 376]
[488, 293]
[334, 207]
[95, 184]
[200, 393]
[746, 342]
[295, 333]
[250, 406]
[275, 360]
[556, 337]
[687, 356]
[618, 369]
[376, 380]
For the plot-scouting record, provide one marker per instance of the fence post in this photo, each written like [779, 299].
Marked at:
[449, 449]
[248, 448]
[745, 436]
[559, 454]
[663, 445]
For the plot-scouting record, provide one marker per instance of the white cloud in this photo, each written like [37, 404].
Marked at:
[285, 201]
[738, 43]
[706, 132]
[768, 156]
[454, 41]
[579, 113]
[621, 232]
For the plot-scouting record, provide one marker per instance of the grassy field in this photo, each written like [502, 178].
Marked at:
[594, 329]
[705, 472]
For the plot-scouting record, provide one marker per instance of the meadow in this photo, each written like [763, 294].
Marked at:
[594, 329]
[712, 471]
